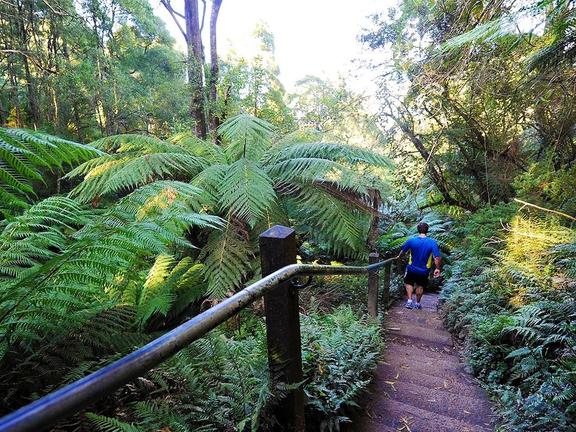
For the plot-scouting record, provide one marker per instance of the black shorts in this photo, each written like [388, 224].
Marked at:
[416, 279]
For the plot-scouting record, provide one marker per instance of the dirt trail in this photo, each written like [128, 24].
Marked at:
[421, 384]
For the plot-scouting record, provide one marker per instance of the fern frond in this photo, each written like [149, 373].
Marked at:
[110, 424]
[246, 191]
[246, 136]
[212, 153]
[23, 157]
[39, 234]
[228, 257]
[341, 226]
[126, 171]
[334, 152]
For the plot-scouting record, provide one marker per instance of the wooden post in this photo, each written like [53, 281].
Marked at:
[277, 250]
[373, 287]
[386, 284]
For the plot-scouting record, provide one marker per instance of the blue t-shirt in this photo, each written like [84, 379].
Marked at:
[422, 252]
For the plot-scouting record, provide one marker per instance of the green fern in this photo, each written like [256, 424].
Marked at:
[245, 136]
[228, 257]
[24, 156]
[246, 191]
[251, 181]
[136, 161]
[109, 424]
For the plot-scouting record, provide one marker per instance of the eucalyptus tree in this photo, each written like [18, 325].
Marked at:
[190, 22]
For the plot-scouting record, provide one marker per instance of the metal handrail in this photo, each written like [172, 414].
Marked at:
[45, 411]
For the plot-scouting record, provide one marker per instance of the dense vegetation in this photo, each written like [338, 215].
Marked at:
[487, 112]
[134, 181]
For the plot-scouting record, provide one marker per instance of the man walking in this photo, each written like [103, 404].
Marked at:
[423, 251]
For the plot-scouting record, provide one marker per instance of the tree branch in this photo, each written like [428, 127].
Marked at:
[173, 14]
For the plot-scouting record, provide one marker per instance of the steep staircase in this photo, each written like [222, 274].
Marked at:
[421, 384]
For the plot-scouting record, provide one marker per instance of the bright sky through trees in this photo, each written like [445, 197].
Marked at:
[312, 37]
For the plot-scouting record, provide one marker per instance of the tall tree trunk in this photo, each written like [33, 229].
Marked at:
[33, 108]
[214, 69]
[14, 95]
[195, 67]
[3, 114]
[373, 233]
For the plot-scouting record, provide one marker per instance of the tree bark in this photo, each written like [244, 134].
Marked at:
[195, 67]
[374, 231]
[33, 107]
[214, 69]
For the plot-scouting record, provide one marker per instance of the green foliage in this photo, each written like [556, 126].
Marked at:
[170, 286]
[545, 185]
[513, 305]
[91, 68]
[222, 383]
[25, 156]
[339, 353]
[251, 181]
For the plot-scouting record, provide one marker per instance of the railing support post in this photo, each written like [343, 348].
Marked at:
[278, 249]
[373, 286]
[386, 284]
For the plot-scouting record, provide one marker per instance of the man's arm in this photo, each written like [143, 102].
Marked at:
[404, 249]
[437, 260]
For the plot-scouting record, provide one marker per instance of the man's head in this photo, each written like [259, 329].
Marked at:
[423, 228]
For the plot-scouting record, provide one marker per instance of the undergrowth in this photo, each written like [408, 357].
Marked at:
[222, 383]
[510, 299]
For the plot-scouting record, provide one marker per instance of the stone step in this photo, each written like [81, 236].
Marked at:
[405, 417]
[403, 349]
[425, 365]
[420, 334]
[467, 409]
[458, 385]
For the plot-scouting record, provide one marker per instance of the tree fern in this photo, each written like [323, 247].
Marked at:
[136, 161]
[245, 136]
[24, 156]
[251, 182]
[169, 286]
[97, 261]
[332, 221]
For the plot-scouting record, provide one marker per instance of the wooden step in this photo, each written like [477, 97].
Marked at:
[425, 365]
[420, 334]
[414, 351]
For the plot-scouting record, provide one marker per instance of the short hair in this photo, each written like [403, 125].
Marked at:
[423, 228]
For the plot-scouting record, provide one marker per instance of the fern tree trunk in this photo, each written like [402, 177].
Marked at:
[195, 67]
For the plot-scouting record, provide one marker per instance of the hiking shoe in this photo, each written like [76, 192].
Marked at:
[409, 305]
[417, 306]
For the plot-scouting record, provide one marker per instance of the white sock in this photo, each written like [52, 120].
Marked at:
[409, 300]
